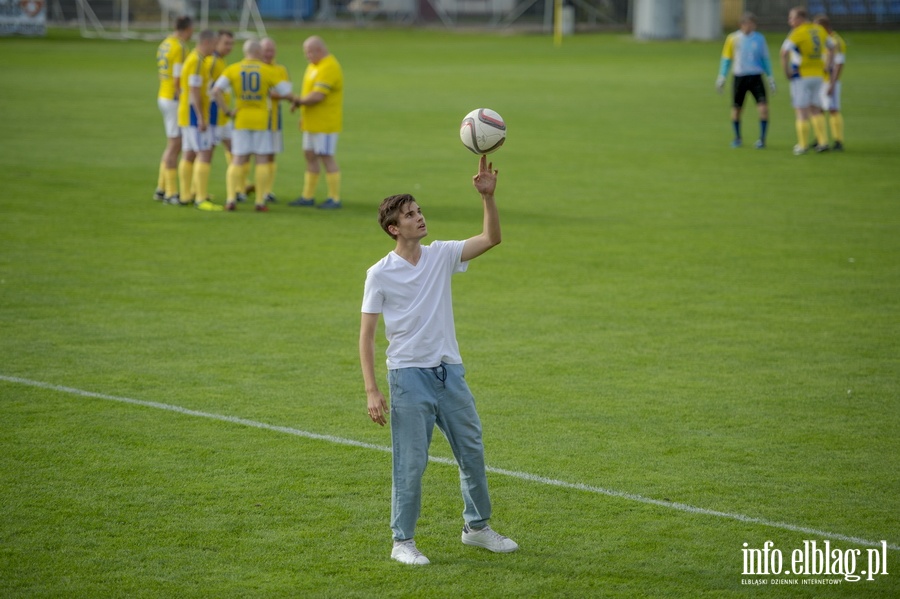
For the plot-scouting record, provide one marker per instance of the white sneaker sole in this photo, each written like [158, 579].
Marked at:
[413, 563]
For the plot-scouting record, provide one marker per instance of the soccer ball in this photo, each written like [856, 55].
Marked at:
[483, 131]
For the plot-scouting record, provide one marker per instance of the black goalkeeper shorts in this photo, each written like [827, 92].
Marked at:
[749, 83]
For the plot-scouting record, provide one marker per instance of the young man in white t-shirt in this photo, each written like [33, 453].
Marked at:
[411, 288]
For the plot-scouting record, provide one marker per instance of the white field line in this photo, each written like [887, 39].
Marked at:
[501, 471]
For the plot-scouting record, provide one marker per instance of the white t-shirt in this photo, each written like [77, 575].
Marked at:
[417, 305]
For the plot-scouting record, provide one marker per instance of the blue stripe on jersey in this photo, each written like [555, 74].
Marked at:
[213, 106]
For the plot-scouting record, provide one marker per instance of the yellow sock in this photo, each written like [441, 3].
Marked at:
[186, 177]
[310, 181]
[161, 181]
[171, 182]
[802, 133]
[820, 128]
[334, 185]
[263, 175]
[201, 181]
[245, 172]
[228, 157]
[837, 126]
[234, 179]
[273, 167]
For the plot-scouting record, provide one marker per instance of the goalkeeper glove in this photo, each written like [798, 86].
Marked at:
[720, 83]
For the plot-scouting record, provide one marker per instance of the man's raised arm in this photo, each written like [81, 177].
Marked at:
[485, 182]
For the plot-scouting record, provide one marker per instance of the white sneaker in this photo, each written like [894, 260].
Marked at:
[489, 539]
[800, 150]
[405, 552]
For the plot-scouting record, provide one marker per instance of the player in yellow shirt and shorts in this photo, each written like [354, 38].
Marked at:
[321, 105]
[275, 121]
[831, 85]
[214, 65]
[170, 56]
[197, 134]
[801, 59]
[252, 82]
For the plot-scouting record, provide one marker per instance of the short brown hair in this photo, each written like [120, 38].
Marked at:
[183, 23]
[389, 210]
[822, 20]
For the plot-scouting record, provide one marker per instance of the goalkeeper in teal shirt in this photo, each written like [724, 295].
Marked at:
[747, 55]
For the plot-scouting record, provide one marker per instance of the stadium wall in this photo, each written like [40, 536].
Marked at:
[589, 14]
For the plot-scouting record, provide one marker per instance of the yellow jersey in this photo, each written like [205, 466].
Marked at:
[213, 66]
[806, 46]
[326, 77]
[252, 82]
[837, 51]
[169, 58]
[275, 108]
[193, 76]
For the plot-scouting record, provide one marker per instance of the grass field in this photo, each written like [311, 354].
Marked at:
[678, 349]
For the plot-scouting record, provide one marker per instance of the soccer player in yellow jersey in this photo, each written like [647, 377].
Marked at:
[801, 59]
[224, 125]
[321, 105]
[213, 65]
[831, 87]
[252, 82]
[170, 56]
[275, 123]
[197, 135]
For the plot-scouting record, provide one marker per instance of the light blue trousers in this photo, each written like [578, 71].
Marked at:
[421, 398]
